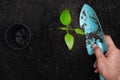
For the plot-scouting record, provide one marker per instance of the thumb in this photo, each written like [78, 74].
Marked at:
[98, 52]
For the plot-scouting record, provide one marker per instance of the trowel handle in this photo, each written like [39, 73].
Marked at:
[101, 78]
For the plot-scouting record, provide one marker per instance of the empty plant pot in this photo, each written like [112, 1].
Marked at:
[18, 36]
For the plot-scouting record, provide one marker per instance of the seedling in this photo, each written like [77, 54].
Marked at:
[65, 19]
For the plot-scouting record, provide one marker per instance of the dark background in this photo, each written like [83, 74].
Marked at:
[47, 57]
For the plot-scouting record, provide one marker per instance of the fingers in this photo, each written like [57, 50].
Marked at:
[98, 52]
[95, 64]
[96, 71]
[109, 42]
[100, 58]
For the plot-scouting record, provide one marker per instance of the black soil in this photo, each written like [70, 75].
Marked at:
[47, 57]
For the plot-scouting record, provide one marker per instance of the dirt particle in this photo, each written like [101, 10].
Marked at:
[82, 26]
[95, 36]
[84, 13]
[95, 19]
[82, 17]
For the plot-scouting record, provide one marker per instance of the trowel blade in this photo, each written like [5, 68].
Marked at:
[93, 32]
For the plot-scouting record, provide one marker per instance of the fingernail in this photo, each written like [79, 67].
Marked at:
[94, 46]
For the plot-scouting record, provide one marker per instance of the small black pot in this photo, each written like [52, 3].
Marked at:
[18, 36]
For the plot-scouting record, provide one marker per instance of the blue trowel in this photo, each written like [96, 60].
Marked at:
[93, 32]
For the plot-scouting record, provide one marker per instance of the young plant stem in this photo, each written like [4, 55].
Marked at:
[67, 29]
[71, 29]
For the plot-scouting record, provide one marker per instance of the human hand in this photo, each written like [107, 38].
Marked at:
[108, 65]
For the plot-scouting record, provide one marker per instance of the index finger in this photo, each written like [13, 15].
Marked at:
[109, 42]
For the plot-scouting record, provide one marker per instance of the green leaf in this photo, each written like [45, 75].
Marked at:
[63, 28]
[79, 31]
[65, 17]
[69, 40]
